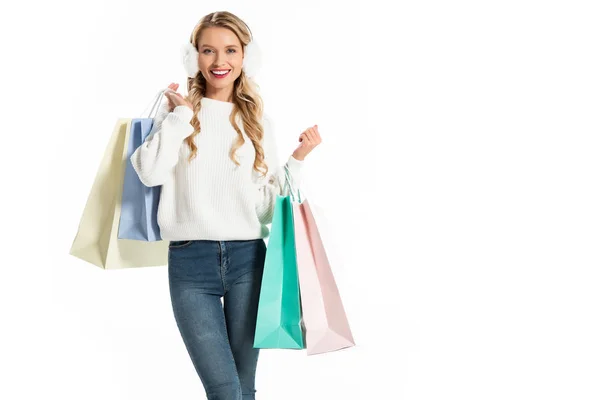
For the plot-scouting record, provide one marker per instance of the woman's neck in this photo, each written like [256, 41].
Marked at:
[224, 94]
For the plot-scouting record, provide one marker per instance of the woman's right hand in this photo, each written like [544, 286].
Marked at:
[176, 99]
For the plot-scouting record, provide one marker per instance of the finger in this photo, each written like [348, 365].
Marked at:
[307, 139]
[317, 135]
[169, 100]
[317, 138]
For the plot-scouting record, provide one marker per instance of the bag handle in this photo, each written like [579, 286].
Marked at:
[288, 180]
[156, 105]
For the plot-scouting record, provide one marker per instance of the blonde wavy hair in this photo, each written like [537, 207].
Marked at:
[246, 101]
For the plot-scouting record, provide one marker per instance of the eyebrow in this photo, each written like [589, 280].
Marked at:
[231, 45]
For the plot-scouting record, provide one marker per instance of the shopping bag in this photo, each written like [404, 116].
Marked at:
[324, 320]
[96, 240]
[278, 323]
[139, 207]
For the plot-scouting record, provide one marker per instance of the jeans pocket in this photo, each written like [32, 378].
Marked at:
[178, 244]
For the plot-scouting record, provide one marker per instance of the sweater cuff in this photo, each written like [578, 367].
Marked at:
[184, 113]
[179, 122]
[295, 167]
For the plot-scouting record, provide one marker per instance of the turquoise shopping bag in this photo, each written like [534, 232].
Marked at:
[278, 323]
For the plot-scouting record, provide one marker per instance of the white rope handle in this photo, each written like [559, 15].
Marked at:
[156, 105]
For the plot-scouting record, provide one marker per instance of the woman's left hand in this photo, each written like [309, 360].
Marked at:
[309, 139]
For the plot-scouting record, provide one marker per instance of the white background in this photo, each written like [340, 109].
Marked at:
[459, 170]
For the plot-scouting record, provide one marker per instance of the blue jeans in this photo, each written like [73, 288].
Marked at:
[219, 337]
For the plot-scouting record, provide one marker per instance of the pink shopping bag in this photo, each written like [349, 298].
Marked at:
[323, 316]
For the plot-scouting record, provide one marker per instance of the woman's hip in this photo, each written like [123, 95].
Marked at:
[212, 266]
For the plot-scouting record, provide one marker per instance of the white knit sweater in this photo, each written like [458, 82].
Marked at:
[210, 197]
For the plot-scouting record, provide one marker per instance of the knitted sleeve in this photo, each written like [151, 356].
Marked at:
[156, 158]
[274, 183]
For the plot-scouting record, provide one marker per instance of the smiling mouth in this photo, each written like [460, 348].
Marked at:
[220, 73]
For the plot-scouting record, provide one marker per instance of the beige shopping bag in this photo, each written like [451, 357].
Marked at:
[96, 240]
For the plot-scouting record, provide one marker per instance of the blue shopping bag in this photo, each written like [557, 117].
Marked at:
[139, 205]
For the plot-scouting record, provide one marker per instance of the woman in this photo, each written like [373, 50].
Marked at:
[214, 154]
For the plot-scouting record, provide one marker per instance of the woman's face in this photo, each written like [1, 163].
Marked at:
[220, 49]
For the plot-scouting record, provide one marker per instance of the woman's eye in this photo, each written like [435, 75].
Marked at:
[205, 50]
